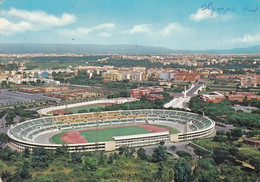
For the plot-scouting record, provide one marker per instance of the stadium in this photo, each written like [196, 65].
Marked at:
[109, 130]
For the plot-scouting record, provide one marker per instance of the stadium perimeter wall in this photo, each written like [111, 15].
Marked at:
[46, 111]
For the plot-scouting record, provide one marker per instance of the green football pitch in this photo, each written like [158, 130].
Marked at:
[107, 134]
[76, 109]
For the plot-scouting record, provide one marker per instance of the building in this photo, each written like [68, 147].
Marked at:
[112, 76]
[53, 89]
[251, 141]
[182, 76]
[42, 127]
[249, 81]
[50, 81]
[153, 97]
[28, 90]
[142, 91]
[213, 98]
[166, 76]
[232, 96]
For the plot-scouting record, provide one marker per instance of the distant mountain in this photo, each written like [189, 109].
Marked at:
[246, 50]
[111, 49]
[81, 49]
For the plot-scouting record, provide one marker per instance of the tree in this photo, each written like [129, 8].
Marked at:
[6, 154]
[236, 133]
[219, 138]
[220, 155]
[159, 154]
[142, 153]
[76, 157]
[162, 142]
[173, 147]
[206, 170]
[233, 151]
[255, 163]
[4, 84]
[242, 157]
[3, 138]
[143, 98]
[61, 151]
[184, 154]
[24, 172]
[90, 164]
[26, 152]
[102, 161]
[40, 157]
[162, 173]
[111, 159]
[126, 151]
[5, 174]
[182, 171]
[159, 102]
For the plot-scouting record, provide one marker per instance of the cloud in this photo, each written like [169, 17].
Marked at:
[248, 38]
[9, 28]
[143, 28]
[202, 14]
[82, 31]
[41, 17]
[17, 21]
[173, 27]
[104, 26]
[105, 34]
[153, 31]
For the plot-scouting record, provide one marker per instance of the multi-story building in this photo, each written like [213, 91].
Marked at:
[232, 96]
[166, 76]
[187, 77]
[53, 89]
[141, 91]
[112, 75]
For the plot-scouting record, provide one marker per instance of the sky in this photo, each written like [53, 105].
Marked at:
[174, 24]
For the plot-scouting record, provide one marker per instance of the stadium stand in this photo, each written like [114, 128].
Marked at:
[24, 134]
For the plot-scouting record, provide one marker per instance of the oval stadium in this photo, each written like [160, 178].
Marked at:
[109, 130]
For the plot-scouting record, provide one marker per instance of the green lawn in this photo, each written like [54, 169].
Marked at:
[57, 138]
[172, 130]
[76, 109]
[107, 134]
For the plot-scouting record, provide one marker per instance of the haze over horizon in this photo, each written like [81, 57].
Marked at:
[177, 25]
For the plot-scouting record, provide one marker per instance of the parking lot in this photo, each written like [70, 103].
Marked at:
[12, 97]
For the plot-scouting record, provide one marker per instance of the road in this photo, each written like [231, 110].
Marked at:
[11, 97]
[179, 146]
[180, 102]
[194, 89]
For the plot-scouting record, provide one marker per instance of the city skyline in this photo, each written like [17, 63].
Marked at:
[172, 24]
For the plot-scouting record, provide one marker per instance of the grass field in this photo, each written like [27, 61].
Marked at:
[57, 138]
[107, 134]
[172, 130]
[76, 109]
